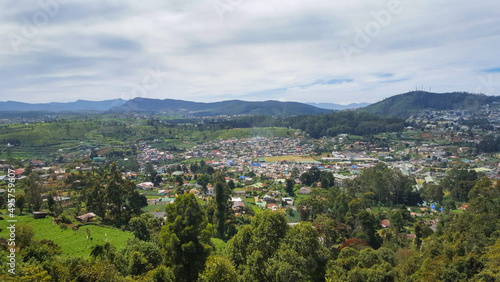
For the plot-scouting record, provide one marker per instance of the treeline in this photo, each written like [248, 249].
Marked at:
[115, 130]
[489, 144]
[332, 124]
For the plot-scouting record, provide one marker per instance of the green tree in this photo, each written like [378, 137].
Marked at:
[433, 193]
[222, 206]
[459, 181]
[185, 238]
[203, 181]
[300, 256]
[137, 264]
[290, 184]
[139, 227]
[24, 235]
[218, 268]
[34, 190]
[254, 245]
[20, 203]
[162, 274]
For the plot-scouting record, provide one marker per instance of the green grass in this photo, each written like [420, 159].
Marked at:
[294, 218]
[72, 243]
[220, 246]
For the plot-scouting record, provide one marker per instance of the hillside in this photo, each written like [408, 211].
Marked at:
[404, 105]
[338, 107]
[80, 105]
[232, 107]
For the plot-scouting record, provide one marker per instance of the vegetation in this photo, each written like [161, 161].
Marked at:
[404, 105]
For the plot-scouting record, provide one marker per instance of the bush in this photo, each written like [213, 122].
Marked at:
[64, 218]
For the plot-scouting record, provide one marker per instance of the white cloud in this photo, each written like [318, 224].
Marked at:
[259, 50]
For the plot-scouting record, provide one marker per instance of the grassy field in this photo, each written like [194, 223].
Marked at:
[294, 218]
[220, 246]
[72, 243]
[302, 158]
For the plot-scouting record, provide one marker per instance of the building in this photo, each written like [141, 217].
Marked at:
[145, 186]
[238, 206]
[40, 214]
[86, 217]
[240, 193]
[304, 191]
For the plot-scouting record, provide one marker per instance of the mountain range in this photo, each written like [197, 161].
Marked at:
[171, 106]
[79, 105]
[338, 107]
[402, 105]
[231, 107]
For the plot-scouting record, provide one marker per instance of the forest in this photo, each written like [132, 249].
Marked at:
[339, 237]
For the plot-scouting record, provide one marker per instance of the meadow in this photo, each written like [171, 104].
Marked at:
[72, 243]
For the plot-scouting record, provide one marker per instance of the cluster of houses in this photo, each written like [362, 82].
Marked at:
[236, 151]
[148, 154]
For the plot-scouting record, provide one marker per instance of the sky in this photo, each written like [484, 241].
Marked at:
[319, 51]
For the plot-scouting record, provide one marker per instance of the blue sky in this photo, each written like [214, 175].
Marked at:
[212, 50]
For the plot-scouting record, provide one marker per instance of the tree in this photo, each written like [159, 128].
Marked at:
[252, 247]
[34, 191]
[221, 210]
[231, 184]
[157, 180]
[51, 203]
[306, 179]
[185, 238]
[433, 193]
[331, 231]
[139, 227]
[315, 174]
[491, 272]
[24, 235]
[218, 268]
[137, 264]
[150, 251]
[290, 183]
[203, 181]
[389, 185]
[300, 256]
[21, 201]
[459, 181]
[150, 171]
[162, 274]
[179, 180]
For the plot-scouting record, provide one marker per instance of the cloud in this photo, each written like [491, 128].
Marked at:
[250, 50]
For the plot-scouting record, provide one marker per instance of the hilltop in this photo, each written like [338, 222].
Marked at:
[231, 107]
[404, 105]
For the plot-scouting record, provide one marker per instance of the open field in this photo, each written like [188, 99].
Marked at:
[72, 243]
[298, 158]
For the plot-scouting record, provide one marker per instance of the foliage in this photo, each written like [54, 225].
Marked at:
[218, 268]
[185, 238]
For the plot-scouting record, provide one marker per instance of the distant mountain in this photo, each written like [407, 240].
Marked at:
[331, 106]
[80, 105]
[231, 107]
[404, 105]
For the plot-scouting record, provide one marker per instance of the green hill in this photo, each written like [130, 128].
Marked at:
[404, 105]
[232, 107]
